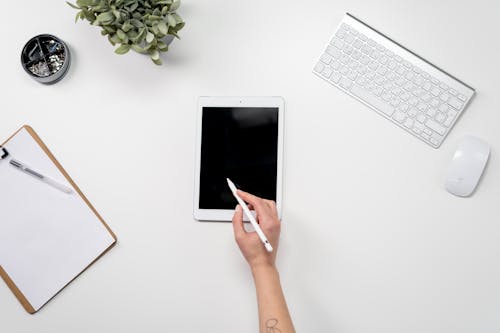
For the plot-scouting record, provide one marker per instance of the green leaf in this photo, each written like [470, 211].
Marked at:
[77, 16]
[175, 5]
[127, 26]
[179, 26]
[71, 5]
[105, 18]
[111, 41]
[136, 23]
[157, 61]
[137, 48]
[133, 7]
[82, 3]
[162, 26]
[121, 34]
[155, 55]
[115, 39]
[149, 37]
[171, 20]
[122, 49]
[162, 46]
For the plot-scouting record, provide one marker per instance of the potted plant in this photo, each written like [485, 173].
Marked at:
[145, 26]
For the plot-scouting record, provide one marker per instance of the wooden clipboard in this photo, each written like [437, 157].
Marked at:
[10, 283]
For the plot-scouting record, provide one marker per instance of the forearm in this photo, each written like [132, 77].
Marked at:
[273, 311]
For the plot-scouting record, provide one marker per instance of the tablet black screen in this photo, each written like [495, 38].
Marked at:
[239, 143]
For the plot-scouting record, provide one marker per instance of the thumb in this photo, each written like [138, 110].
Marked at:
[238, 228]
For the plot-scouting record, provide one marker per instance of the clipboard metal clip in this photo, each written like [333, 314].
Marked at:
[3, 153]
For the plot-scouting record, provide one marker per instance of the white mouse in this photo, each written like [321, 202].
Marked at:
[467, 166]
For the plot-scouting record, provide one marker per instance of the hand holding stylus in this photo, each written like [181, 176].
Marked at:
[249, 242]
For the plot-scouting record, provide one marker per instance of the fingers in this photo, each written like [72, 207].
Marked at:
[255, 201]
[239, 230]
[266, 210]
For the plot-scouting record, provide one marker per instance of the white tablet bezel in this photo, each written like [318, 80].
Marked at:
[227, 214]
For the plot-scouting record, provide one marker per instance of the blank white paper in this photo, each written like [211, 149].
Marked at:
[47, 237]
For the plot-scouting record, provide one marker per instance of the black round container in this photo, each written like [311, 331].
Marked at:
[46, 58]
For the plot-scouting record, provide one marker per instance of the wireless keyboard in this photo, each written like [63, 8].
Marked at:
[398, 84]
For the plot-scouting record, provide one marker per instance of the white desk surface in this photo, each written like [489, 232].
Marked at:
[371, 241]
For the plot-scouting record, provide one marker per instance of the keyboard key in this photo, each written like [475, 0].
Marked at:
[383, 60]
[327, 72]
[365, 59]
[335, 65]
[395, 102]
[462, 97]
[333, 51]
[337, 43]
[335, 78]
[440, 117]
[418, 127]
[372, 100]
[352, 75]
[405, 96]
[378, 91]
[436, 127]
[358, 44]
[409, 123]
[421, 107]
[348, 49]
[455, 103]
[443, 108]
[434, 141]
[431, 112]
[340, 33]
[448, 121]
[452, 113]
[427, 85]
[421, 118]
[326, 58]
[345, 83]
[445, 97]
[399, 117]
[413, 101]
[435, 91]
[349, 38]
[404, 107]
[319, 67]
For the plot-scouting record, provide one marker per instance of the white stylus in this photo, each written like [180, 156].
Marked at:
[255, 225]
[43, 178]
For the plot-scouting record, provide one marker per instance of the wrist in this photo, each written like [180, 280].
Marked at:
[263, 268]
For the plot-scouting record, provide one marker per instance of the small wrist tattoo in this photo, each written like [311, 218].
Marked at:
[272, 326]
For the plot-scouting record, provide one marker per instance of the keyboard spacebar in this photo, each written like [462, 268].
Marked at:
[372, 100]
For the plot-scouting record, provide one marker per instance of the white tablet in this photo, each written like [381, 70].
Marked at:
[240, 138]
